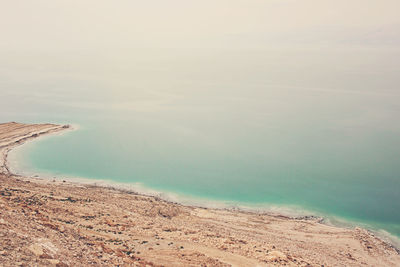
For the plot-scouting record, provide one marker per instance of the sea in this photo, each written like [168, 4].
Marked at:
[311, 130]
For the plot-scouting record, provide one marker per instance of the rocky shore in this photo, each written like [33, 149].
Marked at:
[56, 223]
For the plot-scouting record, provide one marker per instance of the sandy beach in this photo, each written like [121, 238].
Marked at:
[58, 223]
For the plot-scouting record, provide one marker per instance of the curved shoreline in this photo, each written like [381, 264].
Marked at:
[45, 129]
[284, 211]
[137, 188]
[9, 144]
[166, 196]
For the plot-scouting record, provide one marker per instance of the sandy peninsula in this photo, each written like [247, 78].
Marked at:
[58, 223]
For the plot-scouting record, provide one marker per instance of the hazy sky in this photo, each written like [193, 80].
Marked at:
[148, 54]
[100, 24]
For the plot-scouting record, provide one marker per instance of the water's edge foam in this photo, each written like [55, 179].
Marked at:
[289, 211]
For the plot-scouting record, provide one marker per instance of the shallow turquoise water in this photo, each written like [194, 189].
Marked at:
[318, 137]
[354, 180]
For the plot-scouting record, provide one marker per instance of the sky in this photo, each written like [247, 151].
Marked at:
[101, 25]
[147, 55]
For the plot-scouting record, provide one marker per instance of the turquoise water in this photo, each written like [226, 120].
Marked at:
[306, 129]
[349, 178]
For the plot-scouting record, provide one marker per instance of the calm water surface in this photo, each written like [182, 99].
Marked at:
[305, 128]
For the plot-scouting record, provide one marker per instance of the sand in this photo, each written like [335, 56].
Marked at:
[45, 222]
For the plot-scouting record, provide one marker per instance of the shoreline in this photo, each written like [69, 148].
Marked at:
[10, 144]
[139, 189]
[46, 129]
[283, 211]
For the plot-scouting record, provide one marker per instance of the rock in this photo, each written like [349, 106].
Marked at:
[46, 256]
[164, 211]
[106, 249]
[52, 226]
[2, 221]
[110, 223]
[53, 261]
[276, 256]
[36, 249]
[61, 264]
[168, 212]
